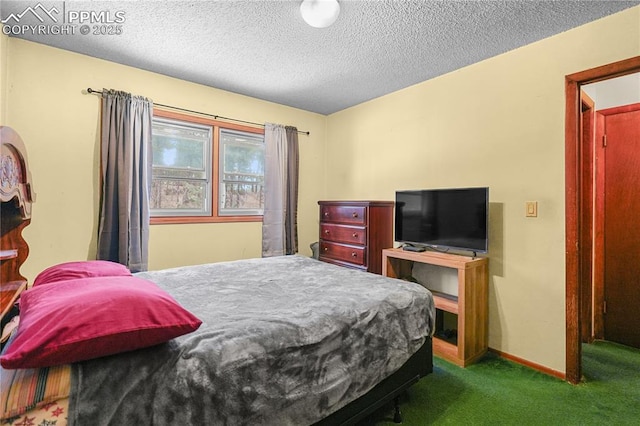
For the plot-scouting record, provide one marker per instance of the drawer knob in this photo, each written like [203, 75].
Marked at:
[326, 249]
[326, 231]
[326, 214]
[354, 254]
[354, 235]
[354, 214]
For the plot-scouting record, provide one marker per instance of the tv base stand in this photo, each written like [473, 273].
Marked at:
[417, 249]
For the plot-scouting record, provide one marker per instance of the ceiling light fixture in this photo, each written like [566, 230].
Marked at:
[320, 13]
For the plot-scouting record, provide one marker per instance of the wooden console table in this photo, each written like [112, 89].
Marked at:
[470, 305]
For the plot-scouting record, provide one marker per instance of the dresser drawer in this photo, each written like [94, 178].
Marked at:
[355, 215]
[343, 233]
[345, 253]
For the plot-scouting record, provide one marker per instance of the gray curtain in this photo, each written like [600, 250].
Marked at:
[291, 213]
[123, 233]
[279, 223]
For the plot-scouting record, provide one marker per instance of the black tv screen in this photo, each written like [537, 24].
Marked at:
[454, 218]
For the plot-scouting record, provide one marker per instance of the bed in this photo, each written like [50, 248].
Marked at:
[285, 341]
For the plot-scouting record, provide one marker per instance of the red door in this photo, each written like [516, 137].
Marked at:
[622, 225]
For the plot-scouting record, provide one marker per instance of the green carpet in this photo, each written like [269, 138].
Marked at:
[499, 392]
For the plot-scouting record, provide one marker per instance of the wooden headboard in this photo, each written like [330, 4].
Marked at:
[16, 198]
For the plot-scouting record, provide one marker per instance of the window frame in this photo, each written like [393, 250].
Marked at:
[221, 171]
[216, 125]
[208, 167]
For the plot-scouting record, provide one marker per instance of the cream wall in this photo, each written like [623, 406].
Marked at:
[4, 41]
[498, 123]
[60, 126]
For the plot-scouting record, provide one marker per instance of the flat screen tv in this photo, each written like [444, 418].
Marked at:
[456, 218]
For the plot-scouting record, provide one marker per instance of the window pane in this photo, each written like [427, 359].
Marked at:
[177, 146]
[242, 173]
[181, 169]
[178, 196]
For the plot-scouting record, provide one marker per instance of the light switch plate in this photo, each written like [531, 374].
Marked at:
[532, 209]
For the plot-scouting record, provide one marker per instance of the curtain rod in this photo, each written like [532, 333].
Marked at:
[215, 117]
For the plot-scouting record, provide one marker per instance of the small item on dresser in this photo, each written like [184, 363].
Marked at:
[13, 311]
[8, 329]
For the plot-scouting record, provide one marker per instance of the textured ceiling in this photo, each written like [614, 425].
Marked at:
[265, 50]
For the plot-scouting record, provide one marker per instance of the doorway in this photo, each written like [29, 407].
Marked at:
[579, 214]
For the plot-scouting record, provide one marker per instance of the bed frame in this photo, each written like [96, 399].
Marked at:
[17, 196]
[419, 365]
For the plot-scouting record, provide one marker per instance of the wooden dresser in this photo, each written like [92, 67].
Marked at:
[354, 233]
[16, 197]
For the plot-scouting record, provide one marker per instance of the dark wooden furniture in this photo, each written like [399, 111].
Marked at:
[470, 305]
[353, 233]
[15, 213]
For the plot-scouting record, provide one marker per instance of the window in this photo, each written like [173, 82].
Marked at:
[241, 173]
[205, 171]
[181, 169]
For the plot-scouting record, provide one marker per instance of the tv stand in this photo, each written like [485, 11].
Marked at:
[470, 341]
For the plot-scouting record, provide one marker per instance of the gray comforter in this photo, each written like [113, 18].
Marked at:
[284, 341]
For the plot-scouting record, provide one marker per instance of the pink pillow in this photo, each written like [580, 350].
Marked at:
[81, 269]
[88, 318]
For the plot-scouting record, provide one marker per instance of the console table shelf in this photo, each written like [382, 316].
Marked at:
[470, 305]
